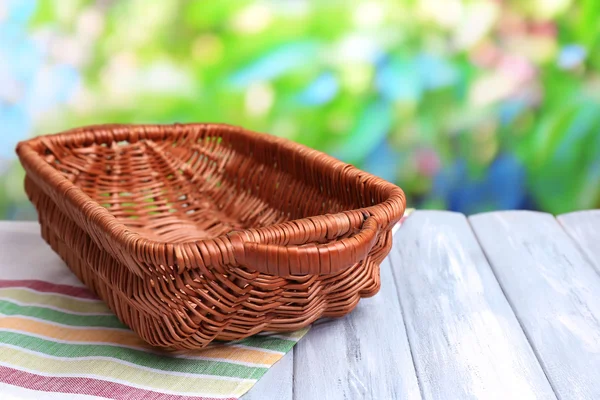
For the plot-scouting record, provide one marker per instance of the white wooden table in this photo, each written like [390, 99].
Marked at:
[504, 305]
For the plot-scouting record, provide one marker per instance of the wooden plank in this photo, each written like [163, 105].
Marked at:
[364, 355]
[276, 383]
[584, 228]
[554, 291]
[464, 337]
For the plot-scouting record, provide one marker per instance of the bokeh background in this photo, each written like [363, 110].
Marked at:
[467, 105]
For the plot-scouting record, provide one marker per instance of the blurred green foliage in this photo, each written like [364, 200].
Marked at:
[467, 105]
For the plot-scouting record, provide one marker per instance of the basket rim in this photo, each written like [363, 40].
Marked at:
[103, 221]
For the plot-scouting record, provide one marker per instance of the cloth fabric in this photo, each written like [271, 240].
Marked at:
[58, 341]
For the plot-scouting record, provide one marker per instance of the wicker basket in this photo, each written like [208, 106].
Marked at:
[202, 232]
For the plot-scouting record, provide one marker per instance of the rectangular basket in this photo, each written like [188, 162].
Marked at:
[200, 232]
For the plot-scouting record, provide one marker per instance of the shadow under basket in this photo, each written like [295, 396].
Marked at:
[200, 232]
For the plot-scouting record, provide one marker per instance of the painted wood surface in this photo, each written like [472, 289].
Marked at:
[465, 339]
[364, 355]
[554, 292]
[277, 383]
[505, 307]
[584, 228]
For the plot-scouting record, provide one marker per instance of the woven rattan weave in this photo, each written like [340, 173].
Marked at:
[200, 232]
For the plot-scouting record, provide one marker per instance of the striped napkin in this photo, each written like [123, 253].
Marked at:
[58, 341]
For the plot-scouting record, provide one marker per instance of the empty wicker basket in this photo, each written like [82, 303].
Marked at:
[192, 233]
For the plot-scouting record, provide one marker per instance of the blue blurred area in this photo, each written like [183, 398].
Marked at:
[372, 126]
[502, 187]
[321, 91]
[384, 161]
[276, 63]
